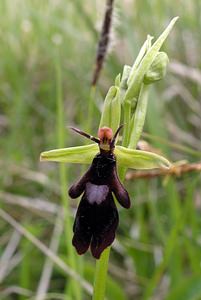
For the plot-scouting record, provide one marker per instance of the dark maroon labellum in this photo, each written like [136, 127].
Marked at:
[97, 217]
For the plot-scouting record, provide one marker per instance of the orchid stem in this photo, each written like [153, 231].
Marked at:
[101, 275]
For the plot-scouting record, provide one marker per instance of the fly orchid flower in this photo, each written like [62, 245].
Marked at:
[97, 217]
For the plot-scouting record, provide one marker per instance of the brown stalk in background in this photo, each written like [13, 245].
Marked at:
[103, 41]
[175, 170]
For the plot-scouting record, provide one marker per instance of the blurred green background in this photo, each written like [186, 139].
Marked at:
[157, 253]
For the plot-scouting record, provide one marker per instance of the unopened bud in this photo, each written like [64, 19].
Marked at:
[123, 83]
[111, 110]
[157, 69]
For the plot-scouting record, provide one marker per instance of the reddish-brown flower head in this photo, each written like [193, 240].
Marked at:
[105, 136]
[105, 133]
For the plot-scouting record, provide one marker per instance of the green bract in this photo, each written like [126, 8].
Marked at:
[129, 158]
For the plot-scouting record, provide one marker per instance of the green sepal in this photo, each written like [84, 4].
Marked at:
[77, 155]
[129, 158]
[137, 159]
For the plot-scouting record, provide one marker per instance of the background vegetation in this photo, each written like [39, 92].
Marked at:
[47, 52]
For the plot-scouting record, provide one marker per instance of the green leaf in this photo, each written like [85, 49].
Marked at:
[188, 289]
[79, 155]
[137, 159]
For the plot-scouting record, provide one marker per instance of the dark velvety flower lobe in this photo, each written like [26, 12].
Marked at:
[95, 224]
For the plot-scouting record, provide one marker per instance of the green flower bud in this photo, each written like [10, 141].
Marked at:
[123, 84]
[125, 76]
[111, 110]
[157, 69]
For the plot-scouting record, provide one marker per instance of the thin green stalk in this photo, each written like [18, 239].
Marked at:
[76, 290]
[24, 276]
[101, 275]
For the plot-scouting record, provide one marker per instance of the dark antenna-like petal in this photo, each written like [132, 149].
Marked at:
[88, 136]
[112, 144]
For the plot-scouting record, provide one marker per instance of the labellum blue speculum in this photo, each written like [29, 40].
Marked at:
[97, 217]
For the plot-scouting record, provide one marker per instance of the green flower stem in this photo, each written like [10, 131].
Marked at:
[76, 290]
[101, 275]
